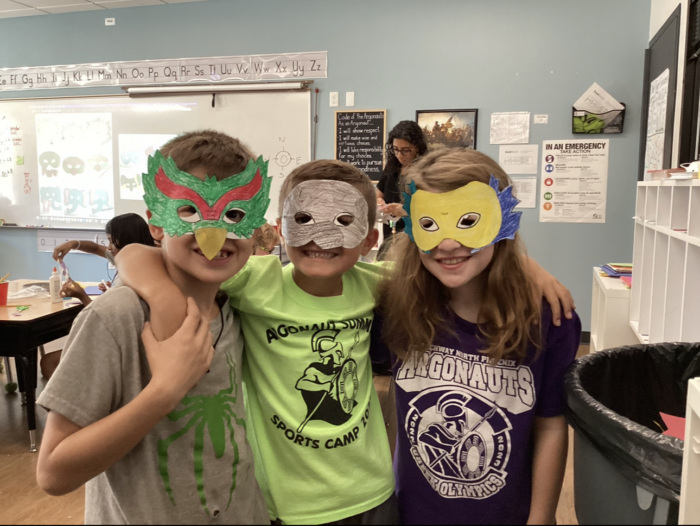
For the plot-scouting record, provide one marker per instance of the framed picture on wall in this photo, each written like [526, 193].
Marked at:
[448, 127]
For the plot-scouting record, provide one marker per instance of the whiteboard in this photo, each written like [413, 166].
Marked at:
[75, 162]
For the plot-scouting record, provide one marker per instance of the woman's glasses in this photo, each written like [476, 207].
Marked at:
[402, 151]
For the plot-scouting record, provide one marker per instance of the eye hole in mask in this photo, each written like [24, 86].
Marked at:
[304, 218]
[468, 220]
[188, 213]
[429, 224]
[344, 219]
[233, 216]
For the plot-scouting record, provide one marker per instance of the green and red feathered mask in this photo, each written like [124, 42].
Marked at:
[212, 210]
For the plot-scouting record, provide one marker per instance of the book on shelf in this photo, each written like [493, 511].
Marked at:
[616, 270]
[672, 174]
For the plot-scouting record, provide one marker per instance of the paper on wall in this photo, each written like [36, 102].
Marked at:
[518, 159]
[597, 100]
[525, 189]
[656, 124]
[510, 127]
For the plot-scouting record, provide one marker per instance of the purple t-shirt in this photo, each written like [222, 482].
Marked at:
[464, 447]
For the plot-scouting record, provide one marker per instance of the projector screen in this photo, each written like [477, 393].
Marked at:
[77, 162]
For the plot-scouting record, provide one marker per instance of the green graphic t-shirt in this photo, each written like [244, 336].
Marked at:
[322, 452]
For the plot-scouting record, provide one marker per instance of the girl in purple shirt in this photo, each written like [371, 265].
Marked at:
[477, 360]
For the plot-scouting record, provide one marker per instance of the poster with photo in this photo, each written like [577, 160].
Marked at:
[75, 165]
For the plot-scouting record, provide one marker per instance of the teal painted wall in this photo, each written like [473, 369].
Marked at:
[402, 55]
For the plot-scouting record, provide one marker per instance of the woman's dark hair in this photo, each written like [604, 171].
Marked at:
[408, 131]
[127, 229]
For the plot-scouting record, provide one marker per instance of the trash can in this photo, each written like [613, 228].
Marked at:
[625, 470]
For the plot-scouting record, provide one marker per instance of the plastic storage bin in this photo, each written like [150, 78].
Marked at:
[625, 470]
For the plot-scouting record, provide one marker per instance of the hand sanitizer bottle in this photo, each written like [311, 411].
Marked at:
[55, 287]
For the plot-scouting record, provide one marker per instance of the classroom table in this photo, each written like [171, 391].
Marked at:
[24, 332]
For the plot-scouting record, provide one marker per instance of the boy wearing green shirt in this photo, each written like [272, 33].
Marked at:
[322, 453]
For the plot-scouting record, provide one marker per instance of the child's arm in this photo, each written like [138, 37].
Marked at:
[86, 246]
[71, 289]
[71, 455]
[142, 268]
[552, 290]
[551, 441]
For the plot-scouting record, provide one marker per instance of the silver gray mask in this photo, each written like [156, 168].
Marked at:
[332, 214]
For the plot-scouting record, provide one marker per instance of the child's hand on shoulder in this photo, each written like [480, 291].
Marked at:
[179, 362]
[549, 287]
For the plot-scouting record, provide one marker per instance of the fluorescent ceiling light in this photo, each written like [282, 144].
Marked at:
[222, 88]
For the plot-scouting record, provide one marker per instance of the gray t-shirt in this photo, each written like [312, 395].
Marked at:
[194, 467]
[116, 281]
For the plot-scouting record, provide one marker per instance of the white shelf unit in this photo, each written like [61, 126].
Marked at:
[665, 299]
[690, 479]
[610, 311]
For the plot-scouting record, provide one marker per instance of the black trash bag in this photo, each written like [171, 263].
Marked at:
[614, 398]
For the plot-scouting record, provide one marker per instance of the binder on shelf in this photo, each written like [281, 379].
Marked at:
[589, 122]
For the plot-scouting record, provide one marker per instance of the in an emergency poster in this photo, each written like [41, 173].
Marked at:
[574, 181]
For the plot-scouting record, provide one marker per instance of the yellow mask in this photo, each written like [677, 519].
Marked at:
[472, 215]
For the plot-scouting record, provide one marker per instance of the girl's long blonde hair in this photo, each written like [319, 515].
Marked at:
[414, 302]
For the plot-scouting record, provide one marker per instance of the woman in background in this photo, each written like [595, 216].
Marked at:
[405, 144]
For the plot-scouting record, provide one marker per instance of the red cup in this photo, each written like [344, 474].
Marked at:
[3, 292]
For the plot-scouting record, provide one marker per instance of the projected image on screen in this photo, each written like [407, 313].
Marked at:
[75, 165]
[134, 150]
[7, 164]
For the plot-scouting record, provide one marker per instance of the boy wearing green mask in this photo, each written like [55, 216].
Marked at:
[157, 431]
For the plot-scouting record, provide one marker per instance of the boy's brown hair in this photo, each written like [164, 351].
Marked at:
[216, 153]
[329, 170]
[267, 236]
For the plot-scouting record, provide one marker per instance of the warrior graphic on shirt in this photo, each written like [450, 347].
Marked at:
[460, 442]
[456, 423]
[329, 386]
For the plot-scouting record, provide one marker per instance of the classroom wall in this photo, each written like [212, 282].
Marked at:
[660, 11]
[402, 55]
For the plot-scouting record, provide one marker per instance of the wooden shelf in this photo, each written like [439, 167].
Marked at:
[665, 304]
[609, 313]
[690, 480]
[635, 329]
[683, 236]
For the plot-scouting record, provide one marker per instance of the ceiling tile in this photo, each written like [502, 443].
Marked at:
[50, 3]
[20, 12]
[9, 5]
[71, 8]
[17, 8]
[127, 3]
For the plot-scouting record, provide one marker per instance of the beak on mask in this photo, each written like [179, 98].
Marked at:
[210, 240]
